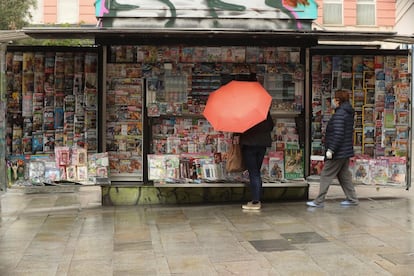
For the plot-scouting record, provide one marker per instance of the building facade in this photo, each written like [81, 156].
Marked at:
[356, 15]
[404, 18]
[75, 12]
[335, 15]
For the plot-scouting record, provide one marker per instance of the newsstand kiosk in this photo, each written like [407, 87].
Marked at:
[134, 105]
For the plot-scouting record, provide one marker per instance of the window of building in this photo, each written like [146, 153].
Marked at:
[67, 11]
[37, 13]
[332, 12]
[365, 12]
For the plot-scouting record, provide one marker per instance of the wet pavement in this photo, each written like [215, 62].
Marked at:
[72, 234]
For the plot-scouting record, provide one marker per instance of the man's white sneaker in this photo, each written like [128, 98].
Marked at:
[349, 203]
[313, 204]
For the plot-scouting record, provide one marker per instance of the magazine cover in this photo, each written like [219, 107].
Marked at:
[294, 167]
[402, 132]
[276, 166]
[398, 169]
[401, 117]
[346, 81]
[37, 142]
[358, 118]
[316, 165]
[16, 166]
[368, 114]
[52, 172]
[317, 147]
[82, 173]
[370, 96]
[388, 137]
[48, 119]
[368, 149]
[252, 55]
[162, 166]
[264, 169]
[37, 121]
[37, 171]
[27, 104]
[62, 156]
[358, 138]
[368, 134]
[358, 81]
[48, 141]
[389, 118]
[379, 171]
[71, 173]
[27, 144]
[98, 164]
[401, 147]
[361, 171]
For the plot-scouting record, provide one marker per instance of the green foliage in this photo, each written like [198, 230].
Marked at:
[55, 42]
[15, 14]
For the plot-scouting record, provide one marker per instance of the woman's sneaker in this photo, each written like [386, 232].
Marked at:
[252, 206]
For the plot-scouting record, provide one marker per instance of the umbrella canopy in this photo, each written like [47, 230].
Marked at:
[237, 106]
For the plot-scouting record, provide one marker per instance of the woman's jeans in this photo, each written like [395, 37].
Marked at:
[253, 158]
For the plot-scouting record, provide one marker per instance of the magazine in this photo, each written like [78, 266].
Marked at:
[379, 171]
[398, 169]
[276, 166]
[361, 171]
[316, 165]
[164, 166]
[294, 167]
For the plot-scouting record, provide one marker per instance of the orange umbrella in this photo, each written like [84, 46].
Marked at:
[237, 106]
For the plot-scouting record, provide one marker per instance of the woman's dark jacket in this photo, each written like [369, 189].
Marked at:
[258, 135]
[339, 132]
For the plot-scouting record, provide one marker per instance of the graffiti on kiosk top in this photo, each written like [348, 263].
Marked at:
[293, 10]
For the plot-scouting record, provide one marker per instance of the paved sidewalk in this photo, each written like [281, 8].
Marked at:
[71, 234]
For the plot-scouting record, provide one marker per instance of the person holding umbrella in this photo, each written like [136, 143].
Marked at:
[339, 148]
[254, 142]
[241, 106]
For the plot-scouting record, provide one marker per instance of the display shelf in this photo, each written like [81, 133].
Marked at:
[284, 114]
[302, 183]
[185, 115]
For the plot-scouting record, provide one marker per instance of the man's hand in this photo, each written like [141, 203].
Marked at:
[329, 154]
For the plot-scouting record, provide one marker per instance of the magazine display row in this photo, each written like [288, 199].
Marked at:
[124, 136]
[66, 164]
[379, 87]
[278, 166]
[365, 170]
[178, 81]
[51, 101]
[188, 149]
